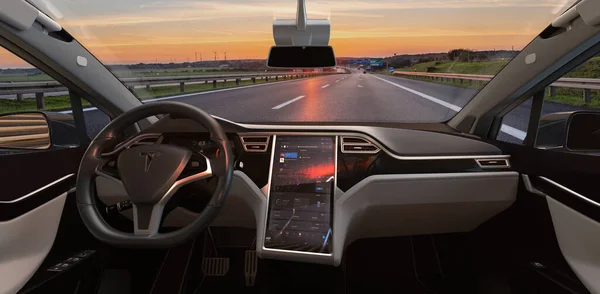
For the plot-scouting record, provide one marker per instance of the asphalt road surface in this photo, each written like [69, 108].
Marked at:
[352, 98]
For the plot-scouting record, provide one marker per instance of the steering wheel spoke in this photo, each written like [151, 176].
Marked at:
[108, 170]
[147, 218]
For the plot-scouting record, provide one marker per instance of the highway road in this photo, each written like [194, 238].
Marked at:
[352, 98]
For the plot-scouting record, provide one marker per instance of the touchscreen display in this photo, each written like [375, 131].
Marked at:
[301, 194]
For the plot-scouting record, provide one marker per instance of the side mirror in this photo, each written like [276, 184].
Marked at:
[24, 131]
[576, 131]
[583, 132]
[37, 131]
[301, 57]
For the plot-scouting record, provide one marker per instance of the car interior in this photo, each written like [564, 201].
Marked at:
[169, 198]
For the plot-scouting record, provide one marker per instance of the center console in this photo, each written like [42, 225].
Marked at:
[302, 182]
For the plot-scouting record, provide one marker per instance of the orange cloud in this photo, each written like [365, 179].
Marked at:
[119, 31]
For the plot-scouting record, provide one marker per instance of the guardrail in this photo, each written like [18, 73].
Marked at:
[40, 88]
[575, 83]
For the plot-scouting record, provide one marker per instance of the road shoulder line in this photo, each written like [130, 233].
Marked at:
[514, 132]
[423, 95]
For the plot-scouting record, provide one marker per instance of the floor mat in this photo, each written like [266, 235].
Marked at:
[388, 265]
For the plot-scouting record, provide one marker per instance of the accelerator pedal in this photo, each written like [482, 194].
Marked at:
[215, 266]
[250, 267]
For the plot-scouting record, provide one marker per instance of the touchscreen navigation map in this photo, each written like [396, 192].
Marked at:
[301, 193]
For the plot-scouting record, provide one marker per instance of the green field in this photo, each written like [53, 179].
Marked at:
[475, 68]
[178, 72]
[57, 103]
[589, 69]
[138, 73]
[24, 78]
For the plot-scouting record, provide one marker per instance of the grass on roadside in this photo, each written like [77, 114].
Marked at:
[53, 103]
[480, 68]
[171, 72]
[588, 69]
[465, 84]
[566, 96]
[58, 103]
[156, 92]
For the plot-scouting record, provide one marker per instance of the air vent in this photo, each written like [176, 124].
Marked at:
[251, 139]
[493, 163]
[254, 143]
[360, 148]
[358, 145]
[349, 140]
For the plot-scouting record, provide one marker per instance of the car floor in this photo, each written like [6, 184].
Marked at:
[417, 264]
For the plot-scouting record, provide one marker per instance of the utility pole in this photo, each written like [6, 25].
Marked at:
[200, 56]
[225, 55]
[215, 56]
[196, 55]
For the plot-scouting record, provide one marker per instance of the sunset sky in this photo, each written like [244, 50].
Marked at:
[131, 31]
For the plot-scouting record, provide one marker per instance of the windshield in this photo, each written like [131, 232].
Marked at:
[397, 61]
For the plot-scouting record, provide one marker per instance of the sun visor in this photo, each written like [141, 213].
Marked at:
[18, 14]
[21, 15]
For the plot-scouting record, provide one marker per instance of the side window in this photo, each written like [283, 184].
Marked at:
[514, 124]
[575, 94]
[33, 103]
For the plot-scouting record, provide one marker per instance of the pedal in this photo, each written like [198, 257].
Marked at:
[250, 267]
[215, 266]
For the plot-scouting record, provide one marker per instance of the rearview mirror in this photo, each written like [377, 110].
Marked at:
[577, 131]
[24, 131]
[301, 57]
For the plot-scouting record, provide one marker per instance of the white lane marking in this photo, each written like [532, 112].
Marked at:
[513, 132]
[504, 128]
[337, 81]
[359, 86]
[325, 86]
[430, 98]
[288, 102]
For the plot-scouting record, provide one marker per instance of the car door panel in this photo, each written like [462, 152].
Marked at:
[34, 191]
[579, 240]
[27, 172]
[566, 182]
[25, 242]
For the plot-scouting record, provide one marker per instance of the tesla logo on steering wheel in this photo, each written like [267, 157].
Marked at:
[149, 155]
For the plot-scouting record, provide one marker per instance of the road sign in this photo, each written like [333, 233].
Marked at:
[391, 69]
[359, 61]
[376, 62]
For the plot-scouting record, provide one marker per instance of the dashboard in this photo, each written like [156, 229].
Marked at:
[310, 191]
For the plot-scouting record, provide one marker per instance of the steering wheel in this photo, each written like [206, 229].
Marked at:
[151, 174]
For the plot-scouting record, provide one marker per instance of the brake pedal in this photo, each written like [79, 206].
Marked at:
[215, 266]
[250, 267]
